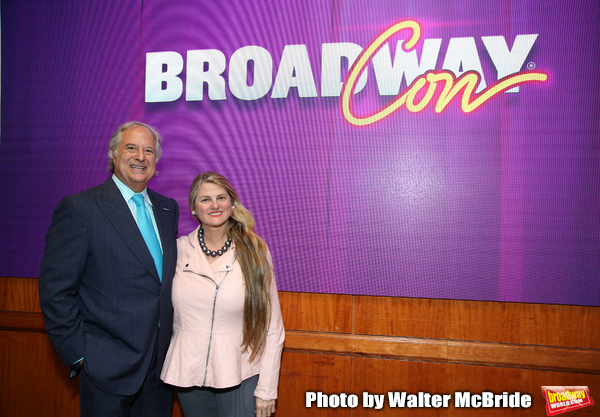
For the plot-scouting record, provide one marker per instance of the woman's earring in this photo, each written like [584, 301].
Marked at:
[193, 212]
[232, 207]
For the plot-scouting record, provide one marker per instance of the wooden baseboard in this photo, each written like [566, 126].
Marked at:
[447, 351]
[17, 321]
[403, 348]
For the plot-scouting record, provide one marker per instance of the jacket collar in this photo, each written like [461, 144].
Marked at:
[203, 264]
[114, 206]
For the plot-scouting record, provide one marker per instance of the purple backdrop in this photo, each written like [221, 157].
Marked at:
[501, 204]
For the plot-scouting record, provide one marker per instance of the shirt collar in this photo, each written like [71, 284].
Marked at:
[128, 192]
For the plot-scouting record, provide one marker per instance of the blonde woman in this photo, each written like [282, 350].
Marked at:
[228, 334]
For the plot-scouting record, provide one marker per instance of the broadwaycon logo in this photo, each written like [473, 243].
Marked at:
[250, 74]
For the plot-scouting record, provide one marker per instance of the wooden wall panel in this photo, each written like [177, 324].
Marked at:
[19, 294]
[305, 372]
[316, 312]
[408, 317]
[350, 344]
[33, 382]
[383, 376]
[538, 324]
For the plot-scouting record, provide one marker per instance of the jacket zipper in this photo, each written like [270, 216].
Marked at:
[212, 321]
[212, 325]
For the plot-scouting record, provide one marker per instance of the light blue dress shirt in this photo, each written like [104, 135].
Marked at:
[128, 194]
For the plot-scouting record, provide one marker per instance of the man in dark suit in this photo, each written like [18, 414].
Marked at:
[105, 292]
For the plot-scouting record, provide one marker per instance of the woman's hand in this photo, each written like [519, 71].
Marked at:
[264, 408]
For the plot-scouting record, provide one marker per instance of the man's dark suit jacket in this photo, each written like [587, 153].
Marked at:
[100, 293]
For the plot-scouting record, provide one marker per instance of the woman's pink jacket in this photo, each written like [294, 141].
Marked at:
[208, 302]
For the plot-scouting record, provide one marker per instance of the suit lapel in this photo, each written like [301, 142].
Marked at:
[114, 206]
[163, 218]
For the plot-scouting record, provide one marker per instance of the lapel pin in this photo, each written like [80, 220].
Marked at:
[166, 209]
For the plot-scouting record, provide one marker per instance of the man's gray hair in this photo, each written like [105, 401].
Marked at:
[115, 141]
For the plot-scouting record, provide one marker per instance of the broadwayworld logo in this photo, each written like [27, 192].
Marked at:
[562, 399]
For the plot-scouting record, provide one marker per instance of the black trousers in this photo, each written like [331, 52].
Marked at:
[237, 401]
[154, 399]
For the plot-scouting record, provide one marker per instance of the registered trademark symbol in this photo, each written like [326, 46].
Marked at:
[531, 66]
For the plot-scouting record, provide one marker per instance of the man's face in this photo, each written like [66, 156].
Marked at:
[135, 162]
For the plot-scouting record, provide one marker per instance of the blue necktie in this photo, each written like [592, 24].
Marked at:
[147, 229]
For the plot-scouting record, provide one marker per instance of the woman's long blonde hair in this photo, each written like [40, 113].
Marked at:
[251, 253]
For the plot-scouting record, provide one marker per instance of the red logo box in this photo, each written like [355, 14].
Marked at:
[562, 399]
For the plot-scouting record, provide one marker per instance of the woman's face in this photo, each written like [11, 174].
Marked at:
[213, 205]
